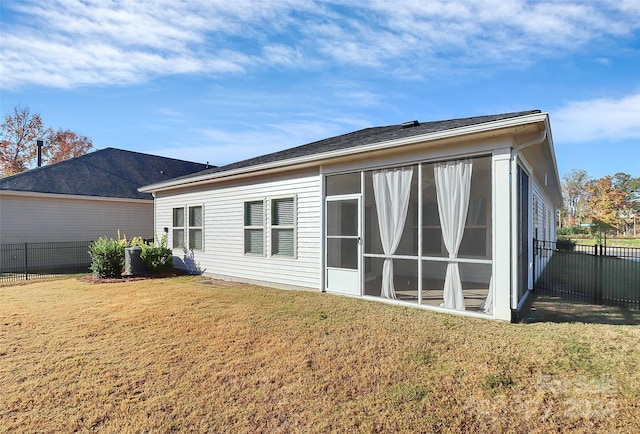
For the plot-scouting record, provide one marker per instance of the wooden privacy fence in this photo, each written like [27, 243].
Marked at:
[601, 275]
[26, 261]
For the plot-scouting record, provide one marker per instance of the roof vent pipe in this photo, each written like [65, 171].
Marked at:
[39, 143]
[410, 124]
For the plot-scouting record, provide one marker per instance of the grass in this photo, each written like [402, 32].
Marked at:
[190, 354]
[613, 242]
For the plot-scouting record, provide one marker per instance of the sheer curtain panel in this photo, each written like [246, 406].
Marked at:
[453, 188]
[392, 190]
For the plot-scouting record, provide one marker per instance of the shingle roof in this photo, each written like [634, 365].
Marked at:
[107, 172]
[364, 137]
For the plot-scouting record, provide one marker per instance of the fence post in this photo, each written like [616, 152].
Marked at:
[597, 296]
[26, 262]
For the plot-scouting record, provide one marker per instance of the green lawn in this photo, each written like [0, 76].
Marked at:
[190, 354]
[618, 242]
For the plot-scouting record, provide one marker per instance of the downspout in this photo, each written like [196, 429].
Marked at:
[541, 137]
[515, 311]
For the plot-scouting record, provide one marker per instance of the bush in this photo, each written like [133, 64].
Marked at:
[566, 245]
[571, 230]
[158, 257]
[107, 257]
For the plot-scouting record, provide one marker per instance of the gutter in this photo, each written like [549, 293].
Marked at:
[541, 137]
[308, 159]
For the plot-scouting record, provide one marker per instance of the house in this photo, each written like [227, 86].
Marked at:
[86, 197]
[441, 215]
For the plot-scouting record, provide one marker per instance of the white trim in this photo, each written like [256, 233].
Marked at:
[397, 302]
[323, 231]
[293, 227]
[263, 227]
[183, 228]
[188, 227]
[486, 127]
[430, 258]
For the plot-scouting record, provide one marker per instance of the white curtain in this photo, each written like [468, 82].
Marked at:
[487, 304]
[392, 190]
[453, 188]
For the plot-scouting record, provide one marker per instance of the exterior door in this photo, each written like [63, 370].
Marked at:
[343, 244]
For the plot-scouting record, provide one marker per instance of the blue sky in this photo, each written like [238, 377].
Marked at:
[221, 81]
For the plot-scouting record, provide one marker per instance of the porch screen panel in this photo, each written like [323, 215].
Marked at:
[408, 245]
[346, 183]
[432, 242]
[476, 241]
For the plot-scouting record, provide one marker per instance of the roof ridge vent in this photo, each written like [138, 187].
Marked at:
[410, 124]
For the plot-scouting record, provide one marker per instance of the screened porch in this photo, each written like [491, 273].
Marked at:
[419, 233]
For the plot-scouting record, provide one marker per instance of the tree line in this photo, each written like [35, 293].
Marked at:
[19, 132]
[610, 203]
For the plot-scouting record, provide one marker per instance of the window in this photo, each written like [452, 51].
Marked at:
[254, 227]
[195, 227]
[178, 228]
[283, 217]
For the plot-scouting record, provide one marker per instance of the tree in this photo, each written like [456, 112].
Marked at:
[64, 144]
[575, 195]
[631, 186]
[608, 203]
[18, 135]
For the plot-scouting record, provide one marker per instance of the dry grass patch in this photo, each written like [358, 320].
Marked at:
[187, 354]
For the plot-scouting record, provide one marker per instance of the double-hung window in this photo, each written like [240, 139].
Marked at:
[195, 227]
[254, 227]
[178, 228]
[283, 233]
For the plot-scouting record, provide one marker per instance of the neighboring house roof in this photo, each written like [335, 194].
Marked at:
[367, 136]
[107, 172]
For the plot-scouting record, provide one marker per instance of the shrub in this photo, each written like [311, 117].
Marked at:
[571, 230]
[566, 245]
[107, 257]
[158, 257]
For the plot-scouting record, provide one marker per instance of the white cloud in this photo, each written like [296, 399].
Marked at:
[597, 120]
[220, 147]
[74, 42]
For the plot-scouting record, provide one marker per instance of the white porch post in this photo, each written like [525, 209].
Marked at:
[502, 209]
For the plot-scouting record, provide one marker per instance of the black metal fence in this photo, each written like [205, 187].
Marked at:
[601, 275]
[27, 261]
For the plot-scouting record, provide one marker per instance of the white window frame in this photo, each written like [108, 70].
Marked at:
[275, 227]
[247, 227]
[188, 227]
[175, 228]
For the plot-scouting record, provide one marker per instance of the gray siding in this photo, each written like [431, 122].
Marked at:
[29, 219]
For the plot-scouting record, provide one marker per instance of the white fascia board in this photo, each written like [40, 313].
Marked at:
[559, 199]
[38, 195]
[307, 159]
